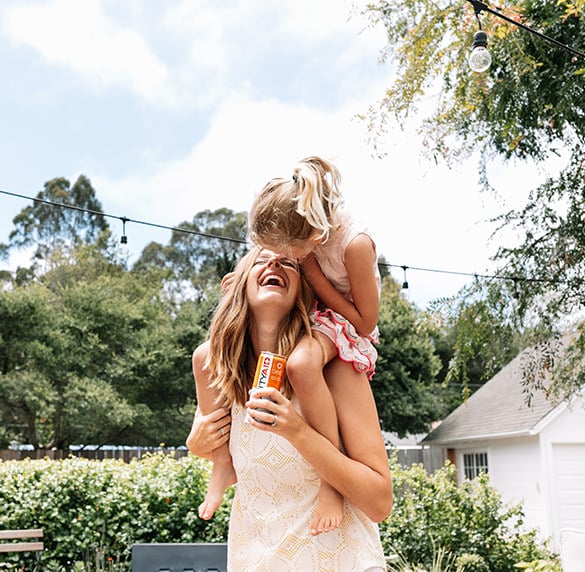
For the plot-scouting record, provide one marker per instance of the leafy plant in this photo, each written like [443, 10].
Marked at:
[467, 525]
[92, 512]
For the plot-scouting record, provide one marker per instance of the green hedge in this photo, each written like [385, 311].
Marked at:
[93, 511]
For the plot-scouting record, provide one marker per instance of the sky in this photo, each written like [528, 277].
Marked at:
[171, 108]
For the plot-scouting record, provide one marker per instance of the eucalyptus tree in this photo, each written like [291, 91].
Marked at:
[200, 252]
[528, 106]
[61, 217]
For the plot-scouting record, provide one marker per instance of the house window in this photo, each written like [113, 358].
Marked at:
[474, 464]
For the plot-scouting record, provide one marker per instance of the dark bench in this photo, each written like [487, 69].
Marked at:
[177, 557]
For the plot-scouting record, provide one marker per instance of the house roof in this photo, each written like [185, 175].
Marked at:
[498, 409]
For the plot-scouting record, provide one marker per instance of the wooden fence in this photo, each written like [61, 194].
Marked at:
[124, 453]
[431, 458]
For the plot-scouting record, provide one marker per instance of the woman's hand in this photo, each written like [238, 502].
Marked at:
[362, 474]
[269, 410]
[208, 432]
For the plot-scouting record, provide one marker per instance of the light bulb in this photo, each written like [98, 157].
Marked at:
[123, 248]
[479, 59]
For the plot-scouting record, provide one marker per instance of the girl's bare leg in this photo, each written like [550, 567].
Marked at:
[305, 372]
[223, 474]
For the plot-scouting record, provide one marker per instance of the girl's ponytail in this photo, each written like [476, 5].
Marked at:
[318, 195]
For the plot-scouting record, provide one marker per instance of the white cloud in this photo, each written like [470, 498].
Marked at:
[420, 215]
[204, 50]
[78, 36]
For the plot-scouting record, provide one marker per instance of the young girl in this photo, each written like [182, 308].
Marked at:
[302, 218]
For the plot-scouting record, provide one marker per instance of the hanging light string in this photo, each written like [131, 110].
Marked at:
[123, 219]
[514, 279]
[482, 7]
[404, 267]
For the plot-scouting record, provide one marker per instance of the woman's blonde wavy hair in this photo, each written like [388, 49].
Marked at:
[288, 212]
[231, 360]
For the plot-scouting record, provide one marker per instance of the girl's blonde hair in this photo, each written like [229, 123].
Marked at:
[288, 212]
[231, 360]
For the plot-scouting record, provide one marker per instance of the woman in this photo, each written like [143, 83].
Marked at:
[278, 458]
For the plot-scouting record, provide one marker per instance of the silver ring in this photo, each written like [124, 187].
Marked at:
[221, 431]
[273, 424]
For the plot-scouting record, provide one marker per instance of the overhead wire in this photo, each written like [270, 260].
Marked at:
[125, 220]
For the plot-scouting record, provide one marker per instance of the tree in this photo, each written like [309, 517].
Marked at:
[405, 383]
[51, 227]
[90, 354]
[26, 317]
[527, 106]
[482, 338]
[202, 251]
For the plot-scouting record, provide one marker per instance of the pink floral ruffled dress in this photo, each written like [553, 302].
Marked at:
[352, 348]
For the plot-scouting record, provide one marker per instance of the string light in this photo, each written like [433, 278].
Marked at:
[480, 7]
[123, 219]
[479, 59]
[388, 265]
[405, 281]
[124, 238]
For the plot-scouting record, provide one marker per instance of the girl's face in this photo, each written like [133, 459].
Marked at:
[273, 282]
[299, 250]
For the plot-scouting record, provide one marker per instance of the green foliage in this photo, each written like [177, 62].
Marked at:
[95, 510]
[530, 98]
[407, 366]
[529, 105]
[484, 338]
[541, 565]
[51, 228]
[467, 524]
[195, 254]
[90, 354]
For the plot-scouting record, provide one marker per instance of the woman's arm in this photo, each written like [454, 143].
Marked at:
[360, 256]
[211, 424]
[363, 475]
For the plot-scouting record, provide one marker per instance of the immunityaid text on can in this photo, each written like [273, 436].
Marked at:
[269, 370]
[269, 373]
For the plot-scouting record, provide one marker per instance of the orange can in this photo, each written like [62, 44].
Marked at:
[269, 370]
[269, 373]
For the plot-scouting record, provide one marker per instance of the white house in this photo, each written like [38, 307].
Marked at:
[534, 455]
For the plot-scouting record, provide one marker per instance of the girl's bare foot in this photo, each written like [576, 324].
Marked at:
[329, 513]
[222, 477]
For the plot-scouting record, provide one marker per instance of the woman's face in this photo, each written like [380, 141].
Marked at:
[273, 282]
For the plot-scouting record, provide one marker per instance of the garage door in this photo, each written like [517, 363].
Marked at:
[569, 485]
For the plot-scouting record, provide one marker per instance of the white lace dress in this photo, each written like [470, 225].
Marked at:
[274, 501]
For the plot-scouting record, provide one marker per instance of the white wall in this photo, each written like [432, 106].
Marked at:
[563, 459]
[544, 472]
[515, 471]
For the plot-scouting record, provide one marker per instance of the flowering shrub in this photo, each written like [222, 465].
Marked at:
[92, 512]
[467, 524]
